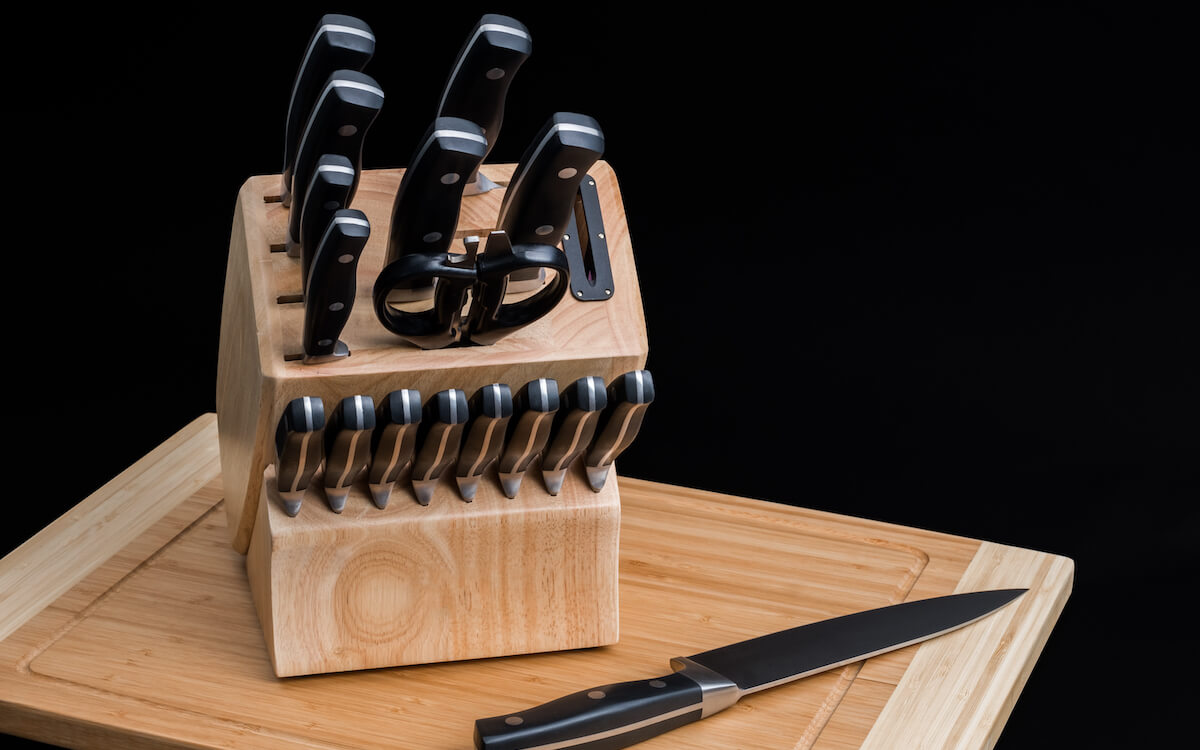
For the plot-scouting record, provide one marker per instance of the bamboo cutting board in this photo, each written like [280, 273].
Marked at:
[128, 623]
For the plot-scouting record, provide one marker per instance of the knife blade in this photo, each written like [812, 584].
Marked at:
[534, 407]
[574, 428]
[623, 714]
[342, 114]
[480, 79]
[438, 441]
[339, 42]
[628, 398]
[332, 284]
[347, 447]
[299, 449]
[393, 442]
[491, 408]
[328, 191]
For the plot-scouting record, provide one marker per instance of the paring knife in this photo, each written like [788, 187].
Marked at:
[345, 108]
[328, 191]
[331, 285]
[347, 447]
[628, 398]
[623, 714]
[393, 442]
[339, 42]
[479, 81]
[574, 427]
[438, 440]
[491, 407]
[299, 449]
[533, 416]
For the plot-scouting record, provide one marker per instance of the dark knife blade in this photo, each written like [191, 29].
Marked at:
[491, 407]
[534, 407]
[394, 442]
[619, 715]
[574, 428]
[347, 447]
[480, 79]
[438, 441]
[299, 449]
[628, 398]
[332, 284]
[328, 191]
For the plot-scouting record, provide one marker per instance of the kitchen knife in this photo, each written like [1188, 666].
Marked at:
[540, 198]
[623, 714]
[339, 42]
[343, 112]
[299, 449]
[347, 447]
[328, 191]
[628, 398]
[574, 427]
[534, 407]
[331, 285]
[479, 81]
[491, 408]
[393, 442]
[438, 440]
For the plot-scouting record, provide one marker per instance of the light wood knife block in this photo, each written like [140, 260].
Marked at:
[414, 584]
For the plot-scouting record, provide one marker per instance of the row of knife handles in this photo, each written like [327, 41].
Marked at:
[404, 438]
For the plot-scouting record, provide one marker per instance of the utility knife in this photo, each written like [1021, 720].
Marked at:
[394, 441]
[328, 191]
[479, 81]
[332, 284]
[574, 427]
[534, 407]
[347, 447]
[299, 449]
[608, 717]
[339, 42]
[438, 441]
[490, 407]
[628, 398]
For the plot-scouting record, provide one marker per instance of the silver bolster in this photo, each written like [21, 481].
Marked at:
[717, 692]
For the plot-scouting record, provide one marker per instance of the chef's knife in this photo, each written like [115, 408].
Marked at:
[628, 398]
[299, 449]
[491, 407]
[339, 42]
[479, 81]
[328, 191]
[331, 285]
[438, 440]
[394, 441]
[347, 447]
[345, 108]
[534, 407]
[623, 714]
[574, 427]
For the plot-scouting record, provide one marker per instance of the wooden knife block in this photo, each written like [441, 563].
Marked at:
[414, 584]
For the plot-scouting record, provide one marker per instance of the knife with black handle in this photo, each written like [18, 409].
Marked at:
[439, 440]
[299, 449]
[480, 79]
[491, 407]
[394, 441]
[332, 284]
[344, 110]
[328, 191]
[347, 447]
[628, 398]
[533, 416]
[574, 428]
[339, 42]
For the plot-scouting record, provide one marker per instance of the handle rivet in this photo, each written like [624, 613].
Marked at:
[657, 684]
[514, 721]
[596, 695]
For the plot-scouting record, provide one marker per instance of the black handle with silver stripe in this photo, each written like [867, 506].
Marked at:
[328, 191]
[332, 284]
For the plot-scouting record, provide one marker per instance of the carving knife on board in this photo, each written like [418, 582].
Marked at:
[534, 408]
[332, 284]
[339, 42]
[393, 442]
[480, 79]
[299, 449]
[347, 447]
[628, 397]
[614, 716]
[574, 428]
[438, 440]
[491, 407]
[328, 191]
[344, 110]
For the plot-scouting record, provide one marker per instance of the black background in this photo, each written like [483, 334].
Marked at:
[932, 265]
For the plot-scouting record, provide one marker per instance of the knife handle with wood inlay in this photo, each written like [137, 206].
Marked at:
[299, 449]
[347, 447]
[438, 441]
[534, 408]
[328, 191]
[491, 409]
[332, 285]
[628, 398]
[394, 441]
[574, 428]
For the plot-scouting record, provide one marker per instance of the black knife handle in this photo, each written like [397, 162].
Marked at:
[602, 718]
[339, 42]
[490, 407]
[575, 423]
[348, 440]
[534, 408]
[328, 191]
[344, 110]
[394, 441]
[299, 448]
[491, 319]
[332, 284]
[439, 439]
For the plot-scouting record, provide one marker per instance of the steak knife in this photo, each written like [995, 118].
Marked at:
[393, 442]
[347, 447]
[339, 42]
[328, 191]
[574, 427]
[299, 449]
[491, 408]
[439, 440]
[534, 407]
[628, 398]
[623, 714]
[332, 284]
[479, 81]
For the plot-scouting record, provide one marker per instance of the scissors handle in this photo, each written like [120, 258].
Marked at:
[490, 318]
[438, 326]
